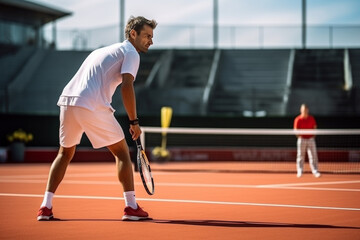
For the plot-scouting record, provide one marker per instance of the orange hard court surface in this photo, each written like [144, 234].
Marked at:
[213, 202]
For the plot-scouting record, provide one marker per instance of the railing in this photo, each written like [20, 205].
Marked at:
[347, 71]
[161, 68]
[211, 81]
[197, 36]
[289, 77]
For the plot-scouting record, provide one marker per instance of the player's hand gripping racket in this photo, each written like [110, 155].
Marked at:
[144, 168]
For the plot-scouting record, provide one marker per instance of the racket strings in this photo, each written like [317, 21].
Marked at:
[146, 172]
[147, 175]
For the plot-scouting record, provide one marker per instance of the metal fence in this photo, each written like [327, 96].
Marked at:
[195, 36]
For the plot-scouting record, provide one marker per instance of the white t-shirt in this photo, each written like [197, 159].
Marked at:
[95, 82]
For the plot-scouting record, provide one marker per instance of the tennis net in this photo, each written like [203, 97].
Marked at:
[258, 150]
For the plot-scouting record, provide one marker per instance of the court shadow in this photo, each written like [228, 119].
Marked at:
[84, 220]
[95, 220]
[213, 223]
[244, 224]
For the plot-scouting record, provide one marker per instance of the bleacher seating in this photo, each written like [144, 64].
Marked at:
[318, 80]
[246, 81]
[183, 87]
[8, 49]
[12, 59]
[250, 80]
[355, 68]
[189, 69]
[147, 62]
[41, 92]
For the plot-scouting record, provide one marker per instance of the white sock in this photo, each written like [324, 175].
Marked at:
[130, 200]
[47, 202]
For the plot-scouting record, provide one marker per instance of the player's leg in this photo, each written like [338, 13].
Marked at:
[103, 129]
[313, 158]
[70, 133]
[300, 157]
[132, 210]
[120, 151]
[58, 167]
[56, 175]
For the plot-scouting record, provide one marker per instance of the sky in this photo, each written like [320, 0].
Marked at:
[99, 13]
[92, 14]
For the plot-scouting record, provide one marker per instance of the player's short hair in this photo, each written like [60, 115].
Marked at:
[137, 24]
[304, 105]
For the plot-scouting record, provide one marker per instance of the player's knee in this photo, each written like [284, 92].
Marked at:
[123, 157]
[119, 149]
[66, 154]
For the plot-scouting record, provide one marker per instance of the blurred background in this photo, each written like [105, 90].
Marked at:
[217, 64]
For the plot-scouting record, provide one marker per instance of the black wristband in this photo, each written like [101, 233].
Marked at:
[134, 122]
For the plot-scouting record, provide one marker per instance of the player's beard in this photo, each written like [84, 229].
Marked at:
[144, 49]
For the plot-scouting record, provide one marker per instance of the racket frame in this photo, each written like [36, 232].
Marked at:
[141, 152]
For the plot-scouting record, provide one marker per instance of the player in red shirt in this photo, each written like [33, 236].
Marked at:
[306, 142]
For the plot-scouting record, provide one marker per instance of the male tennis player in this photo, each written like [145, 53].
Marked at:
[85, 108]
[306, 142]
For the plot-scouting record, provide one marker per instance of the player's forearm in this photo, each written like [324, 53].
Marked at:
[129, 101]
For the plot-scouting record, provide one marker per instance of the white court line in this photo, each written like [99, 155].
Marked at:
[252, 186]
[67, 175]
[316, 189]
[62, 182]
[105, 174]
[307, 184]
[66, 182]
[184, 201]
[90, 182]
[278, 186]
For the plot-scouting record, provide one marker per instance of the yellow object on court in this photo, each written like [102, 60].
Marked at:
[166, 114]
[162, 152]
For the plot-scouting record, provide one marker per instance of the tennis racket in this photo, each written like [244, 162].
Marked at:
[144, 168]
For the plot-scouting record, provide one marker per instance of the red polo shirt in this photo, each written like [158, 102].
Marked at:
[305, 123]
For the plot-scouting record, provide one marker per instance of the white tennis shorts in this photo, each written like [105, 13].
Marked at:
[101, 127]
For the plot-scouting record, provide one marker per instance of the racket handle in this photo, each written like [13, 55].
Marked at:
[138, 141]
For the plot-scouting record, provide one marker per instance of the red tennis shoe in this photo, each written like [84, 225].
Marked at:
[135, 214]
[45, 214]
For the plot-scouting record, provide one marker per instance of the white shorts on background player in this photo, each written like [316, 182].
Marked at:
[89, 95]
